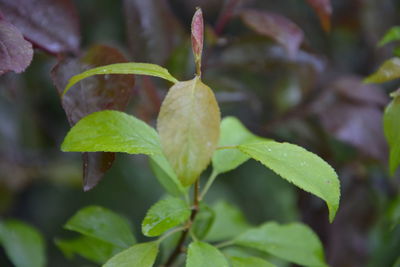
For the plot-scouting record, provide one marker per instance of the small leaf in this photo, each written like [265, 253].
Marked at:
[293, 242]
[188, 124]
[164, 215]
[197, 38]
[229, 222]
[324, 11]
[23, 244]
[140, 255]
[111, 131]
[300, 167]
[391, 126]
[89, 248]
[275, 26]
[393, 34]
[166, 175]
[102, 224]
[204, 221]
[51, 25]
[388, 71]
[123, 68]
[15, 52]
[249, 262]
[233, 133]
[201, 254]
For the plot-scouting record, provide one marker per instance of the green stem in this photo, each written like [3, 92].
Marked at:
[210, 181]
[224, 244]
[169, 233]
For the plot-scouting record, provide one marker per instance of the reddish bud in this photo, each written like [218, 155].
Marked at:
[197, 37]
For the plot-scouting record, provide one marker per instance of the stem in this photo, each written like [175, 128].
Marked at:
[180, 246]
[166, 235]
[224, 244]
[210, 180]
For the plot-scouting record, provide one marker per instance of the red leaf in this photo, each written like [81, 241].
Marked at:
[197, 34]
[15, 52]
[93, 94]
[52, 25]
[152, 29]
[275, 26]
[352, 112]
[324, 11]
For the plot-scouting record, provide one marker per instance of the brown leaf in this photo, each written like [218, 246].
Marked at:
[93, 94]
[275, 26]
[52, 25]
[15, 52]
[324, 12]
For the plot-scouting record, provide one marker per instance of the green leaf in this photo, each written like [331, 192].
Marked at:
[204, 221]
[201, 254]
[89, 248]
[23, 244]
[164, 215]
[123, 68]
[388, 71]
[229, 222]
[393, 34]
[233, 133]
[391, 127]
[140, 255]
[249, 262]
[166, 175]
[102, 224]
[293, 242]
[188, 124]
[112, 131]
[300, 167]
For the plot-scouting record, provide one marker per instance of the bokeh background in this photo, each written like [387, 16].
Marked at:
[315, 99]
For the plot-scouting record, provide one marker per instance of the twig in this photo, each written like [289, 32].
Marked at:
[180, 246]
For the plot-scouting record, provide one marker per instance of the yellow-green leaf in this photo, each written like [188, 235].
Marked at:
[300, 167]
[140, 255]
[188, 125]
[391, 126]
[123, 68]
[388, 71]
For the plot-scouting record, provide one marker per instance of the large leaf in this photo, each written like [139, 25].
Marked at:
[89, 248]
[324, 11]
[393, 34]
[140, 255]
[111, 131]
[123, 68]
[23, 244]
[91, 95]
[233, 133]
[51, 25]
[293, 242]
[229, 222]
[164, 215]
[188, 125]
[15, 52]
[166, 175]
[102, 224]
[249, 262]
[300, 167]
[201, 254]
[391, 125]
[152, 29]
[388, 71]
[275, 26]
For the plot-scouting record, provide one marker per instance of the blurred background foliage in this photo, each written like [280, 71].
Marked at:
[314, 98]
